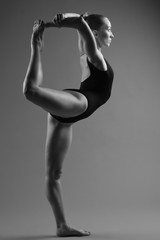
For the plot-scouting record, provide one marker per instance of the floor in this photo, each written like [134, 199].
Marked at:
[114, 226]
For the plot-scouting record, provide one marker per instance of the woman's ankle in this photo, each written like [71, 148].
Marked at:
[62, 225]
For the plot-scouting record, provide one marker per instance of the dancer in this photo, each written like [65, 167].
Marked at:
[68, 106]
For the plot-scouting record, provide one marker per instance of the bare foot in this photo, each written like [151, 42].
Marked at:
[37, 35]
[66, 231]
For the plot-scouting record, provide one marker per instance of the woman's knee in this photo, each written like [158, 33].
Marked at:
[51, 179]
[29, 91]
[57, 174]
[53, 175]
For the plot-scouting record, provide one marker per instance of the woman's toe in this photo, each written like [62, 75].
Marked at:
[88, 233]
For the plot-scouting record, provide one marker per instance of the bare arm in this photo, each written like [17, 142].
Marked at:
[80, 44]
[86, 37]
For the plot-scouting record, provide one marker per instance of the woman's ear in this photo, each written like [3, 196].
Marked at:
[95, 33]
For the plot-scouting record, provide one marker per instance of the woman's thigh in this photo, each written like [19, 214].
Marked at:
[58, 141]
[66, 103]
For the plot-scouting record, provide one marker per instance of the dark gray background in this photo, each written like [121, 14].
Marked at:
[111, 177]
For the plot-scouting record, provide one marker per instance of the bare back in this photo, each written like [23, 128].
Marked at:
[98, 62]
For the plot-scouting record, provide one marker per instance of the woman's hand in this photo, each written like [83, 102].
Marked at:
[57, 20]
[66, 20]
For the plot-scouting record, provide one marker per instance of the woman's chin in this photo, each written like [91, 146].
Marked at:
[107, 44]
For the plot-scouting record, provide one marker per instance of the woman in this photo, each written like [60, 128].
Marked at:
[70, 105]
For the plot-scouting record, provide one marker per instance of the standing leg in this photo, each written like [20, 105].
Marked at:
[59, 138]
[58, 141]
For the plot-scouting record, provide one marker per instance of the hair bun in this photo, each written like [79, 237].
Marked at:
[85, 15]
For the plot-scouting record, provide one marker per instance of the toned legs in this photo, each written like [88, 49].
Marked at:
[60, 103]
[59, 136]
[58, 141]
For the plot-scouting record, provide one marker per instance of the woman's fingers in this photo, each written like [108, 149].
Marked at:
[58, 18]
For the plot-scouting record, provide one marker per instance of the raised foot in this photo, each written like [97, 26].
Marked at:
[37, 35]
[67, 231]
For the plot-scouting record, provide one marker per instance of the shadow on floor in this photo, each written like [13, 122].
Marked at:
[94, 236]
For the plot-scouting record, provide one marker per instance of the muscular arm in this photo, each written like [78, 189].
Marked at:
[86, 37]
[80, 44]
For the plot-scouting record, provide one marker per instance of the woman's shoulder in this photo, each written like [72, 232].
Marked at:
[98, 64]
[99, 61]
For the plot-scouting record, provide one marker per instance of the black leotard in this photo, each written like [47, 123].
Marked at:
[96, 88]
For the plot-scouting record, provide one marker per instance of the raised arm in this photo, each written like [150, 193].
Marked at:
[76, 21]
[80, 44]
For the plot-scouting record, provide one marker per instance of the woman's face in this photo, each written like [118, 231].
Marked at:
[104, 34]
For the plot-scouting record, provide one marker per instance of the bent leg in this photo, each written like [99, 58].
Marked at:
[60, 103]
